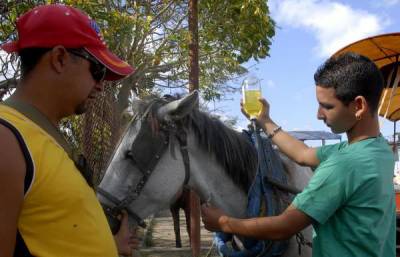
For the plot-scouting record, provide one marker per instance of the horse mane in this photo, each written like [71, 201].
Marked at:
[232, 150]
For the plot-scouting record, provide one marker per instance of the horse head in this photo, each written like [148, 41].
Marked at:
[168, 145]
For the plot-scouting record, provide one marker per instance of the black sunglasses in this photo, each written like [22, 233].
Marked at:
[97, 69]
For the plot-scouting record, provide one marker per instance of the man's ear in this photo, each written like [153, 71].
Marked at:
[361, 106]
[59, 58]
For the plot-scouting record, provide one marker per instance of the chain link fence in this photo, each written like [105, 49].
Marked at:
[95, 133]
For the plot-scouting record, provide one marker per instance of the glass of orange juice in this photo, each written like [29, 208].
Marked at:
[251, 91]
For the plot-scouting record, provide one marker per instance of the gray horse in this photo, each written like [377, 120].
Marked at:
[170, 145]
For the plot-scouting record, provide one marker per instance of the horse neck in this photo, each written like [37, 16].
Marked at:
[210, 181]
[298, 176]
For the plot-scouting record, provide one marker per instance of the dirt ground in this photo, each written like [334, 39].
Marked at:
[160, 239]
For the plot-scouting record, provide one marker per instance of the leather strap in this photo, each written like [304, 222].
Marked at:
[182, 138]
[43, 122]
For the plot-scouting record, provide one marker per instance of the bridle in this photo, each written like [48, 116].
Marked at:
[145, 153]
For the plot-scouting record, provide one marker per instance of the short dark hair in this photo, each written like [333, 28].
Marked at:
[29, 57]
[351, 75]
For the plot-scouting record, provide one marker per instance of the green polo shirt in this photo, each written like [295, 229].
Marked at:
[351, 200]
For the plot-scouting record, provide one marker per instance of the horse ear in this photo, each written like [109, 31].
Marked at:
[179, 108]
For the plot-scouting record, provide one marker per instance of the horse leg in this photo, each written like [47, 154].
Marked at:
[174, 208]
[175, 217]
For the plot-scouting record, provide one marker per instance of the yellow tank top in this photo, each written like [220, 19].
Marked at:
[60, 216]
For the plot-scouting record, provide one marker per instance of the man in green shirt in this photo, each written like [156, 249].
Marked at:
[350, 199]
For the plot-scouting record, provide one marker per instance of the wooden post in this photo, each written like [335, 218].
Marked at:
[194, 85]
[193, 46]
[194, 224]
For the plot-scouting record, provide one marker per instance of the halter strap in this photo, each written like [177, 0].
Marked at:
[146, 169]
[182, 139]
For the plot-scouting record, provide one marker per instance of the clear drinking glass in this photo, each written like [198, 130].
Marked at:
[251, 91]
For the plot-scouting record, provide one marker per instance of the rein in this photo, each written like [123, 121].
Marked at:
[145, 153]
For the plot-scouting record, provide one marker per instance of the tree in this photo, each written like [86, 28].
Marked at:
[153, 36]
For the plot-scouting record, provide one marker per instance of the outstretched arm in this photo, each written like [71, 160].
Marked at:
[279, 227]
[292, 147]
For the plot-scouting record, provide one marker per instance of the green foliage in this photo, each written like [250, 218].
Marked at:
[236, 28]
[9, 11]
[153, 37]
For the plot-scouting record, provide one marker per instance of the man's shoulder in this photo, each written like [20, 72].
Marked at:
[28, 129]
[372, 152]
[11, 157]
[8, 134]
[327, 152]
[7, 137]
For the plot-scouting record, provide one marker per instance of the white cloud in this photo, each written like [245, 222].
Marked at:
[333, 24]
[390, 2]
[384, 4]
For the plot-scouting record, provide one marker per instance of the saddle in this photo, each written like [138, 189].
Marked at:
[266, 197]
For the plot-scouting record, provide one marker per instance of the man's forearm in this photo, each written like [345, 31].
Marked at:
[290, 146]
[279, 227]
[259, 228]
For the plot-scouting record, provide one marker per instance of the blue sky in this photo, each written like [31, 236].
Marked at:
[308, 32]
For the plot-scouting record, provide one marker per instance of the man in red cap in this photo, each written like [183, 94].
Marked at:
[48, 208]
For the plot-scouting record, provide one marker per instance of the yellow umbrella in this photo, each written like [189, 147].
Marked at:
[384, 50]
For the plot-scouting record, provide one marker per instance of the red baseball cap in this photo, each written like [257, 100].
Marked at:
[47, 26]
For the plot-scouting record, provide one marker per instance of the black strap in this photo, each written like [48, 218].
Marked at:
[25, 152]
[41, 120]
[21, 250]
[182, 138]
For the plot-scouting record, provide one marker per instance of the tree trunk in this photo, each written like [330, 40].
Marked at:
[193, 46]
[194, 85]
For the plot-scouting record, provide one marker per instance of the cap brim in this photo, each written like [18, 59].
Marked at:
[10, 47]
[116, 68]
